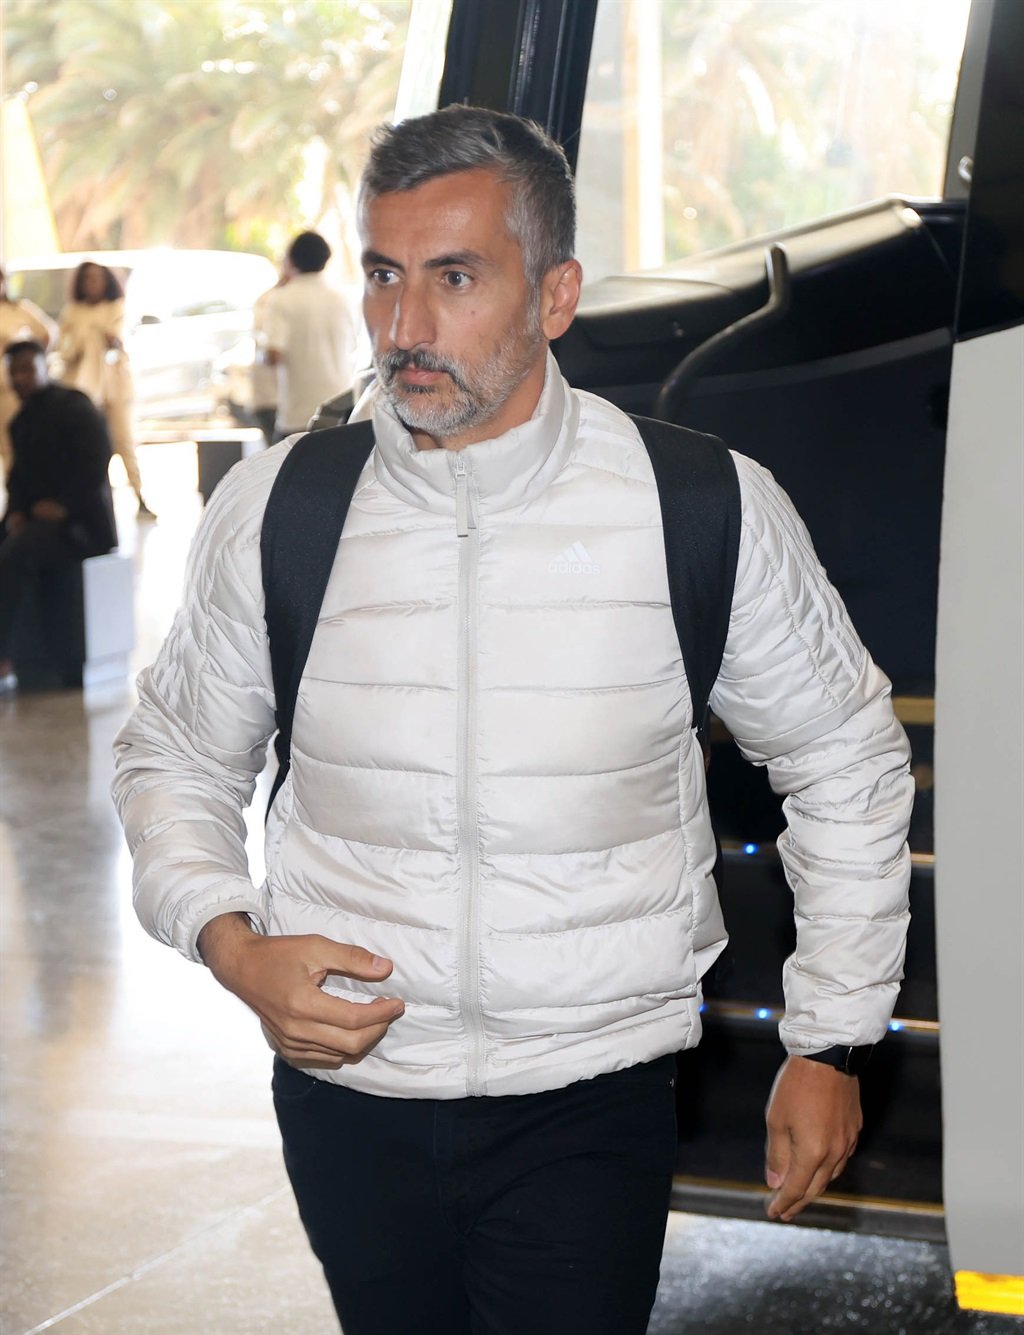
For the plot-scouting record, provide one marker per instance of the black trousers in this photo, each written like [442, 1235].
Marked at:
[38, 545]
[536, 1214]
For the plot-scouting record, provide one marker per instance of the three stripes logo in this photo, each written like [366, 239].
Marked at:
[575, 560]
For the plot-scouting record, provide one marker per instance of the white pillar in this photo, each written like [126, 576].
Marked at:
[979, 812]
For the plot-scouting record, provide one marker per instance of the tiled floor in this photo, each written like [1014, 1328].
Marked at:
[143, 1189]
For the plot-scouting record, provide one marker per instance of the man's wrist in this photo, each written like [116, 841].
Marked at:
[217, 937]
[847, 1059]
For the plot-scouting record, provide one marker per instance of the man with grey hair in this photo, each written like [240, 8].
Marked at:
[489, 897]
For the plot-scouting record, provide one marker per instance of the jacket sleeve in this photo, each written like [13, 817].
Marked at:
[187, 759]
[801, 695]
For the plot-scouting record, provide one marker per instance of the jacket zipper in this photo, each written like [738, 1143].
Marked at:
[468, 830]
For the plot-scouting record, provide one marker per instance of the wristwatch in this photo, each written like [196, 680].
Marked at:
[851, 1061]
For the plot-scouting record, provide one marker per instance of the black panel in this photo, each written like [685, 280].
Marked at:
[525, 56]
[551, 80]
[859, 444]
[992, 285]
[482, 53]
[868, 277]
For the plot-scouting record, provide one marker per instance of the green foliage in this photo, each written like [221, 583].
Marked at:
[191, 122]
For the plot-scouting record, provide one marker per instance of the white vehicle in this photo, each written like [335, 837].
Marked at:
[184, 309]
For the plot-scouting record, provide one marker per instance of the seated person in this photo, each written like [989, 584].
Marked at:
[59, 505]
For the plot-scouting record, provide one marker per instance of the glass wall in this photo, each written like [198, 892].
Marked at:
[198, 124]
[710, 121]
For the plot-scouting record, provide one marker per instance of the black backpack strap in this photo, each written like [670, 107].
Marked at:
[302, 525]
[700, 511]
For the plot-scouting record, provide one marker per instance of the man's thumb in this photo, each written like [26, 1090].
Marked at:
[355, 962]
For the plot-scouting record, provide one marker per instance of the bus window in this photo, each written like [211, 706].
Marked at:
[708, 122]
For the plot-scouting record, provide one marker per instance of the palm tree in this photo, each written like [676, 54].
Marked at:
[167, 121]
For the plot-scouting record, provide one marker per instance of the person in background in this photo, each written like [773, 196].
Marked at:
[18, 320]
[264, 376]
[310, 336]
[59, 506]
[92, 349]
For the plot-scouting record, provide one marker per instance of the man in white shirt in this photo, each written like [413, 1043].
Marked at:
[310, 336]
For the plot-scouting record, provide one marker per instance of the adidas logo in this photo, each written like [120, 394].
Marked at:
[575, 560]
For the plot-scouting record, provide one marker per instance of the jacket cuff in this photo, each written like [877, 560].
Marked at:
[247, 904]
[799, 1039]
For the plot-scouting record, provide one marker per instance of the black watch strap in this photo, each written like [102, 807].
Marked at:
[851, 1061]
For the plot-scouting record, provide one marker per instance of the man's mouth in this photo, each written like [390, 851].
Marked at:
[416, 378]
[417, 372]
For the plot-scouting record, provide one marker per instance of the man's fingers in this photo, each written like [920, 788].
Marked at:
[321, 1040]
[305, 1042]
[300, 1054]
[805, 1182]
[333, 1013]
[282, 980]
[776, 1158]
[813, 1189]
[840, 1166]
[795, 1185]
[344, 1051]
[335, 1026]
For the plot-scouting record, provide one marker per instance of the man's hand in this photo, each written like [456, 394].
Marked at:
[50, 510]
[280, 978]
[813, 1120]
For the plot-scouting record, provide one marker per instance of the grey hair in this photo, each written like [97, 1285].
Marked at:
[542, 207]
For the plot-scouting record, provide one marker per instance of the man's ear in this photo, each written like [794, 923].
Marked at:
[560, 294]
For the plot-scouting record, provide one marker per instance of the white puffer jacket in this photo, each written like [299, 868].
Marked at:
[494, 778]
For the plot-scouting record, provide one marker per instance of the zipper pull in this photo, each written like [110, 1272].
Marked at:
[463, 518]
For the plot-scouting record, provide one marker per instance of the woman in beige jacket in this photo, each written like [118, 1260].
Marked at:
[92, 348]
[18, 320]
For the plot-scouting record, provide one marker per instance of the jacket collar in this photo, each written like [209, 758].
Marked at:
[503, 472]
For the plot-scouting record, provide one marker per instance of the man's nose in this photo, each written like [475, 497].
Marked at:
[413, 324]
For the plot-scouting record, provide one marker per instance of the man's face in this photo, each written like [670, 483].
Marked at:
[457, 331]
[27, 373]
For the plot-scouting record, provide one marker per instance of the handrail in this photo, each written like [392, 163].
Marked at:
[673, 389]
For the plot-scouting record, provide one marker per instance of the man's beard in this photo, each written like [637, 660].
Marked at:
[473, 396]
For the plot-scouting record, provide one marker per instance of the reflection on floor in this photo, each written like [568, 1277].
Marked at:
[144, 1190]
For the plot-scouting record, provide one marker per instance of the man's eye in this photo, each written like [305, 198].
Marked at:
[457, 279]
[382, 277]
